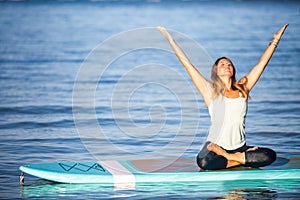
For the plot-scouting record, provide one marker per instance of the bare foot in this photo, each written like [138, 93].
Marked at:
[238, 157]
[252, 149]
[216, 149]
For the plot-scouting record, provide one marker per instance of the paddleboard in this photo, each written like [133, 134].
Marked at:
[131, 172]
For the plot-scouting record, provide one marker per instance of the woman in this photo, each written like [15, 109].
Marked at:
[226, 100]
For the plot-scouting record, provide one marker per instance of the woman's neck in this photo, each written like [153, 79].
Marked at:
[229, 92]
[227, 83]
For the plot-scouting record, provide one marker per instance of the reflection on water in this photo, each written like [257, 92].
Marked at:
[243, 194]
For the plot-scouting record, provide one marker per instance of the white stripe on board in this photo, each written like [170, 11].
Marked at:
[123, 178]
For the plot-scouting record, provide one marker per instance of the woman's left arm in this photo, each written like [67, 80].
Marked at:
[257, 70]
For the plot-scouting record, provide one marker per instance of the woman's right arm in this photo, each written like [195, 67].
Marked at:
[200, 82]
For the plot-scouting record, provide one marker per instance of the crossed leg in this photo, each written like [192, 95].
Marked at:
[234, 159]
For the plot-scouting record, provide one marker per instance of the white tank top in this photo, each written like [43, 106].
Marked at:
[227, 122]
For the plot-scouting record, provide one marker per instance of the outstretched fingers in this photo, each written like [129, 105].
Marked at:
[165, 33]
[280, 32]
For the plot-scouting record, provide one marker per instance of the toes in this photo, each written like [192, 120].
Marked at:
[252, 148]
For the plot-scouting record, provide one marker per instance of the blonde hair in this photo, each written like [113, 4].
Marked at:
[217, 84]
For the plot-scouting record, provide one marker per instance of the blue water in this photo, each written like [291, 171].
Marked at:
[144, 98]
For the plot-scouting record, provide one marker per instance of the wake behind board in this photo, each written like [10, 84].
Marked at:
[145, 171]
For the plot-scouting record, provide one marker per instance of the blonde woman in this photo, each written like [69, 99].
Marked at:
[226, 100]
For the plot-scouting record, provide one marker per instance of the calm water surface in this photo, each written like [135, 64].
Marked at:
[43, 46]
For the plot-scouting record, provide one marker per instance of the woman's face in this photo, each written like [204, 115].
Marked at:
[224, 68]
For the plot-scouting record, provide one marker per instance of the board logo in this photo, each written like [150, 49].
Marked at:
[83, 167]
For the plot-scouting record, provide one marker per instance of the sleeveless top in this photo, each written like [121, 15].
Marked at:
[227, 122]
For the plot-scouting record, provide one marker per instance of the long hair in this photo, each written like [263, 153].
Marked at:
[217, 84]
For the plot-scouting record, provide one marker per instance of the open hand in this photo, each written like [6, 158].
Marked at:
[165, 33]
[280, 32]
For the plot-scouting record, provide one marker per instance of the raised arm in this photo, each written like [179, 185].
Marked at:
[257, 70]
[200, 82]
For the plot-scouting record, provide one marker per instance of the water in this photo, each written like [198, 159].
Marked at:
[43, 46]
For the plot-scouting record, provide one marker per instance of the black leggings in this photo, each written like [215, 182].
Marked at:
[260, 157]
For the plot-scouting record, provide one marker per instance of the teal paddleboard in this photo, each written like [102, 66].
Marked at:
[131, 172]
